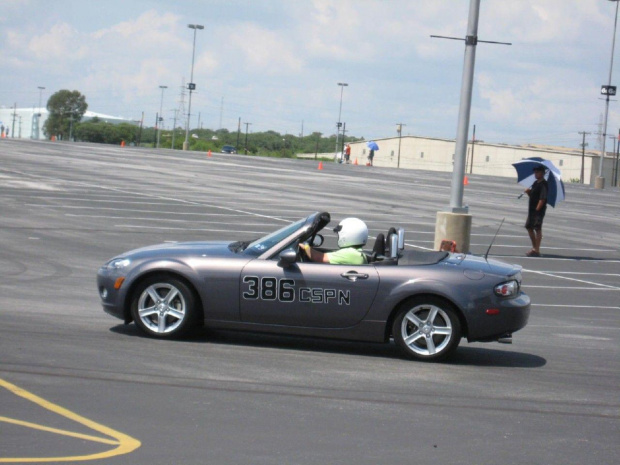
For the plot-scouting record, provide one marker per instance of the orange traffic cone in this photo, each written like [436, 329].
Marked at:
[320, 165]
[465, 181]
[209, 154]
[122, 143]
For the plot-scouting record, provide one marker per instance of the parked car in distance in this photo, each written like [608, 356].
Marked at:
[229, 149]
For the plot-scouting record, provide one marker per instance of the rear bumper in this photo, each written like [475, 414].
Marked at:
[506, 317]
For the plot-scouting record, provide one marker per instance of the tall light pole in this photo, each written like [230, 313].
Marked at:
[246, 138]
[339, 124]
[36, 117]
[191, 86]
[608, 90]
[457, 221]
[41, 89]
[160, 117]
[399, 130]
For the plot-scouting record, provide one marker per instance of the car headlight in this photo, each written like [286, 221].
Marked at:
[118, 263]
[507, 289]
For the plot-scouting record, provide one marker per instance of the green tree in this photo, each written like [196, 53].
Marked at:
[106, 133]
[65, 108]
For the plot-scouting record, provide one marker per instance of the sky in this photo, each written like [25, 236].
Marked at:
[276, 64]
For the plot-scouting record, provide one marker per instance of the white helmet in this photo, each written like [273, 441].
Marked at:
[351, 232]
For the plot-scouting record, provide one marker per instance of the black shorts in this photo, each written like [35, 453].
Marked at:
[534, 220]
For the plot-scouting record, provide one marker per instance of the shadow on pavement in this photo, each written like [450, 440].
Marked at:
[465, 355]
[481, 356]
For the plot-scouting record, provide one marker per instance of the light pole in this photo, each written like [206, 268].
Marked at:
[339, 124]
[246, 138]
[36, 117]
[399, 130]
[608, 90]
[191, 86]
[160, 117]
[41, 89]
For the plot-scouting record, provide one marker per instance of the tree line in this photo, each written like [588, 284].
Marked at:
[66, 109]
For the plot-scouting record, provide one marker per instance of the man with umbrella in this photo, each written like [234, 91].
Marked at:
[536, 209]
[372, 145]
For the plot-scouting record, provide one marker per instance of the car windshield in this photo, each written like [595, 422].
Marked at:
[264, 243]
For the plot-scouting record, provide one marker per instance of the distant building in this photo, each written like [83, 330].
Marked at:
[425, 153]
[27, 123]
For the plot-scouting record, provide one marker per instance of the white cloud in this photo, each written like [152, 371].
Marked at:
[278, 62]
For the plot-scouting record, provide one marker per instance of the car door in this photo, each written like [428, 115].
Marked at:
[306, 294]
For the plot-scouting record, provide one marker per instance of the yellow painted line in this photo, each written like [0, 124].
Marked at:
[88, 437]
[125, 444]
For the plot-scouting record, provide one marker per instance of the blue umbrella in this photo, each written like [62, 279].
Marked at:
[525, 177]
[372, 145]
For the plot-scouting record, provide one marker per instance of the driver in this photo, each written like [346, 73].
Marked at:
[352, 236]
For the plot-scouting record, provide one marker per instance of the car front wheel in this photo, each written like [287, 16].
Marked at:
[164, 307]
[427, 329]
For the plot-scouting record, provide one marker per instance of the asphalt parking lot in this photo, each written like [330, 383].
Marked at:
[76, 384]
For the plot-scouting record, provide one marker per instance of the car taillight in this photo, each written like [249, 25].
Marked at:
[507, 289]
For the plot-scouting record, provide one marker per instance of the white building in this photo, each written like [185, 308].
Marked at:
[425, 153]
[27, 123]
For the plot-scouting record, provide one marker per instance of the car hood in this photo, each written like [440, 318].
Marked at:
[214, 249]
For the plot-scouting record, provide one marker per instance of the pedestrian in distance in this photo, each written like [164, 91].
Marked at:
[371, 155]
[537, 208]
[347, 153]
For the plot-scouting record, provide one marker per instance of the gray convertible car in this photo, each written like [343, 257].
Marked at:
[425, 300]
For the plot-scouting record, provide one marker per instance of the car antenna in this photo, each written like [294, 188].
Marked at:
[493, 240]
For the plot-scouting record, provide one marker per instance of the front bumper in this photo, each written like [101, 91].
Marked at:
[111, 298]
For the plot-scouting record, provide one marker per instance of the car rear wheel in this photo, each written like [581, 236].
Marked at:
[427, 329]
[164, 307]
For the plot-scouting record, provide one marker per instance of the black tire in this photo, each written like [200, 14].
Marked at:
[427, 329]
[164, 307]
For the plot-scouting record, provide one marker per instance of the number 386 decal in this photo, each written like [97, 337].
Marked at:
[284, 290]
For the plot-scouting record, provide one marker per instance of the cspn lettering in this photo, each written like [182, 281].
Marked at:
[319, 295]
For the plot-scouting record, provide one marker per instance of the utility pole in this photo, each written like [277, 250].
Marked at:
[399, 130]
[583, 154]
[246, 137]
[342, 85]
[473, 144]
[608, 90]
[316, 150]
[140, 132]
[615, 173]
[160, 117]
[238, 132]
[14, 115]
[174, 126]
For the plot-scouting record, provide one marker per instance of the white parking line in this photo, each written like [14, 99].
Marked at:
[576, 306]
[572, 279]
[559, 259]
[611, 288]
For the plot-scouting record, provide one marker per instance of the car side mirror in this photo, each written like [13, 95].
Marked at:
[318, 241]
[287, 258]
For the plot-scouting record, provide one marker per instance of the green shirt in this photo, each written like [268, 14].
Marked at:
[347, 256]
